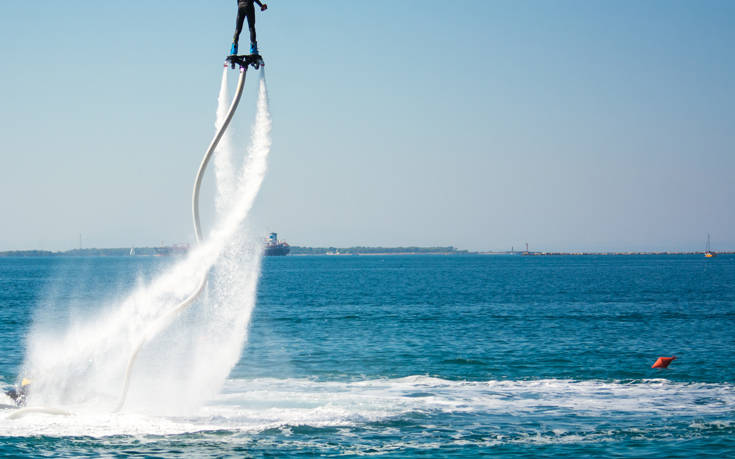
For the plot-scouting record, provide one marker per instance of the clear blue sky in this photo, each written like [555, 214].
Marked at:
[573, 125]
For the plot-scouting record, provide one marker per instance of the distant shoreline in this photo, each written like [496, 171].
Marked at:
[597, 253]
[326, 251]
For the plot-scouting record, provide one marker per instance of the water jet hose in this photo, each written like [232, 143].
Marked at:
[197, 232]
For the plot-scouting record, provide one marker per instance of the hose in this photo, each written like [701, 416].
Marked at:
[197, 233]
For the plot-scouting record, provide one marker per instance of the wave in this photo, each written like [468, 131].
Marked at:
[519, 409]
[464, 362]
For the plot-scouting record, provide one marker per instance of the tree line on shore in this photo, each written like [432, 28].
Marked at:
[295, 250]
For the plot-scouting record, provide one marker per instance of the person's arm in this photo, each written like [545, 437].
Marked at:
[262, 6]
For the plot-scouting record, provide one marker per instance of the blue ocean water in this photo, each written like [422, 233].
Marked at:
[425, 356]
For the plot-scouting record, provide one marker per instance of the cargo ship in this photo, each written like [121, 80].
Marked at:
[273, 248]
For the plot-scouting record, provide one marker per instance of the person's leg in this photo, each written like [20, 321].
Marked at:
[251, 26]
[241, 13]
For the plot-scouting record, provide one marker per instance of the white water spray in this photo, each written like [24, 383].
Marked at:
[185, 357]
[223, 165]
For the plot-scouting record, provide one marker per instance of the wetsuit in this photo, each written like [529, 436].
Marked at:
[245, 8]
[18, 395]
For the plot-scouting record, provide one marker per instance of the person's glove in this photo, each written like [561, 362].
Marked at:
[263, 7]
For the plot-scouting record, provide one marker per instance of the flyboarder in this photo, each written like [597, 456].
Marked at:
[246, 8]
[20, 392]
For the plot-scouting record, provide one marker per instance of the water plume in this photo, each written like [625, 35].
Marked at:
[186, 357]
[223, 164]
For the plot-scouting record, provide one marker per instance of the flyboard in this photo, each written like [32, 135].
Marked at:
[244, 62]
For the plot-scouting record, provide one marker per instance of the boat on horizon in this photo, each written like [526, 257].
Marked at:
[170, 250]
[708, 253]
[274, 248]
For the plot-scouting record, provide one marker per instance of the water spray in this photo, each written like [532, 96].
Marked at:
[74, 366]
[197, 233]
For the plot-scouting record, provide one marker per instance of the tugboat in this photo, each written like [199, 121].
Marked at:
[273, 248]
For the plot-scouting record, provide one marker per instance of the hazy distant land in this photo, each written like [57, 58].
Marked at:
[326, 251]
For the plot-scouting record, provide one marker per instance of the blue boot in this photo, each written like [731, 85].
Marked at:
[253, 48]
[233, 50]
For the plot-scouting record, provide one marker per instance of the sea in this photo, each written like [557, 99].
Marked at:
[419, 356]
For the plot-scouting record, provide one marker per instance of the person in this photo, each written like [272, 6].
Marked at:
[245, 8]
[19, 394]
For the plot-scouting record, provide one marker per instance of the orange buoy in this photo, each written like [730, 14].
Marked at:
[663, 362]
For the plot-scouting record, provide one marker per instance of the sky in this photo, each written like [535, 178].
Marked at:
[570, 125]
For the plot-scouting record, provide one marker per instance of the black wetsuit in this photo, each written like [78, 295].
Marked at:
[18, 395]
[245, 8]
